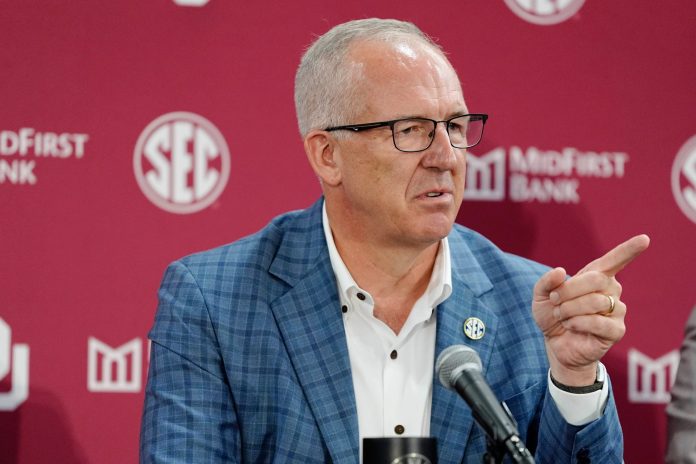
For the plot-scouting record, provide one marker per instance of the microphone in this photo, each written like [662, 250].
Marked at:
[459, 368]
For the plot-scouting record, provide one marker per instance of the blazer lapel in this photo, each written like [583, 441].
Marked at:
[451, 418]
[310, 321]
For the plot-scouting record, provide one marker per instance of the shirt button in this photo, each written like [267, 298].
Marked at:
[344, 308]
[361, 296]
[393, 354]
[583, 456]
[399, 429]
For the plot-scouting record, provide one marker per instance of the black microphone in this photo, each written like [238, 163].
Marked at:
[459, 369]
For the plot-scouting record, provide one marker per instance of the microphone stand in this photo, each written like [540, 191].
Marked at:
[497, 447]
[495, 452]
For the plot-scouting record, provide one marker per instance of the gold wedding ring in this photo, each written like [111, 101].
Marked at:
[612, 304]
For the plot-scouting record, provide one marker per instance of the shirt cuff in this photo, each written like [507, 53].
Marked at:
[581, 408]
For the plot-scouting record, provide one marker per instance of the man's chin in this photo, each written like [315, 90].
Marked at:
[439, 224]
[434, 232]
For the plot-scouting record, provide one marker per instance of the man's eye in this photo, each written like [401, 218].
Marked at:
[410, 129]
[456, 127]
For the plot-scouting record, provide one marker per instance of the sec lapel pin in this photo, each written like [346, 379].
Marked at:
[474, 328]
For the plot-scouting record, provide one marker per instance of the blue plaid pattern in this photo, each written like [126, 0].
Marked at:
[250, 364]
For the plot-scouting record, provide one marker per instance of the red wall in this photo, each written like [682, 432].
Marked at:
[596, 108]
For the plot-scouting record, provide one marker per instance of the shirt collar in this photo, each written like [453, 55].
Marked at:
[439, 287]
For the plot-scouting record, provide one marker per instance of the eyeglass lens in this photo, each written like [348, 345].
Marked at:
[417, 134]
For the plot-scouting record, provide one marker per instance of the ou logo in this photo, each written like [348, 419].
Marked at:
[16, 359]
[544, 12]
[181, 162]
[684, 178]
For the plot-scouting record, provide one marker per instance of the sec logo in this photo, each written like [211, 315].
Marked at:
[191, 2]
[474, 328]
[412, 458]
[684, 178]
[544, 12]
[181, 162]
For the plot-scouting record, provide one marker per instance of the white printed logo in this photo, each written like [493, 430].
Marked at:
[20, 149]
[181, 162]
[650, 380]
[684, 178]
[534, 175]
[191, 2]
[545, 12]
[485, 176]
[9, 401]
[108, 368]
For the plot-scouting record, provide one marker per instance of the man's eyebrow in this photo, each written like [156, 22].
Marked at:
[409, 116]
[451, 115]
[457, 113]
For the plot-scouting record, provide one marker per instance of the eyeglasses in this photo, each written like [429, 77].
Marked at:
[417, 134]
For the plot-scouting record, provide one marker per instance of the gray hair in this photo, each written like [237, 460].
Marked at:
[325, 86]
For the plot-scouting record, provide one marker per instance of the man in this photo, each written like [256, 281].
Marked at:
[681, 411]
[295, 343]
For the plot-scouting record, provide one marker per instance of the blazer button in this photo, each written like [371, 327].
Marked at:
[399, 429]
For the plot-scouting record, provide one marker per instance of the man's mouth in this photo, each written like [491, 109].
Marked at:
[433, 194]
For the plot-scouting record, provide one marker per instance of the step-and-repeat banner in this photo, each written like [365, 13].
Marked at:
[133, 133]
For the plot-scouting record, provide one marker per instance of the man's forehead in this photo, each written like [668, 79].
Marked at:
[379, 60]
[402, 50]
[406, 49]
[396, 67]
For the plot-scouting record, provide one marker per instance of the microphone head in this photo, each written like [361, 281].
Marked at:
[453, 360]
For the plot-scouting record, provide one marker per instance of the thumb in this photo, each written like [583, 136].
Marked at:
[548, 282]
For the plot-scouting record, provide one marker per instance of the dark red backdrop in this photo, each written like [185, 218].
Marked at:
[588, 118]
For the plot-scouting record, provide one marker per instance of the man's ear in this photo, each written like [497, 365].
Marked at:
[324, 156]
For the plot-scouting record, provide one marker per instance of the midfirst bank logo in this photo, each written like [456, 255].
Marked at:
[20, 150]
[650, 380]
[534, 175]
[545, 12]
[684, 178]
[114, 370]
[181, 162]
[13, 358]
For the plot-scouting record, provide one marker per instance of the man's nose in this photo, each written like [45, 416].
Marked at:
[441, 154]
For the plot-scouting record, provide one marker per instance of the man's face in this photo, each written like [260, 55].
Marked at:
[388, 196]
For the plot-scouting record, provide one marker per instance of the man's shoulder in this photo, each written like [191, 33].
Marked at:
[489, 256]
[260, 249]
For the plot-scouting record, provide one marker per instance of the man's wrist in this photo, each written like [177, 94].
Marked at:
[582, 389]
[581, 408]
[575, 376]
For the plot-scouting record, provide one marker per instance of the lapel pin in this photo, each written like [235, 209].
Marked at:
[474, 328]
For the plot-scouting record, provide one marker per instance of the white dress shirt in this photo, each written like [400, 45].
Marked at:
[393, 373]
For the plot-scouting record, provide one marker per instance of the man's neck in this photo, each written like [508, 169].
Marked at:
[395, 274]
[383, 270]
[394, 282]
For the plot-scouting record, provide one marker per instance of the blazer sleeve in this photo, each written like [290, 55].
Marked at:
[599, 441]
[681, 411]
[189, 412]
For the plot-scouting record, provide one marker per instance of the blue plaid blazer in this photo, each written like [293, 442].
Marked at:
[249, 361]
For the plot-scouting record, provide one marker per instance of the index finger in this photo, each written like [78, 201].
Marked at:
[619, 257]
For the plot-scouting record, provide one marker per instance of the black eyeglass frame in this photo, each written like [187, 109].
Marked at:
[374, 125]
